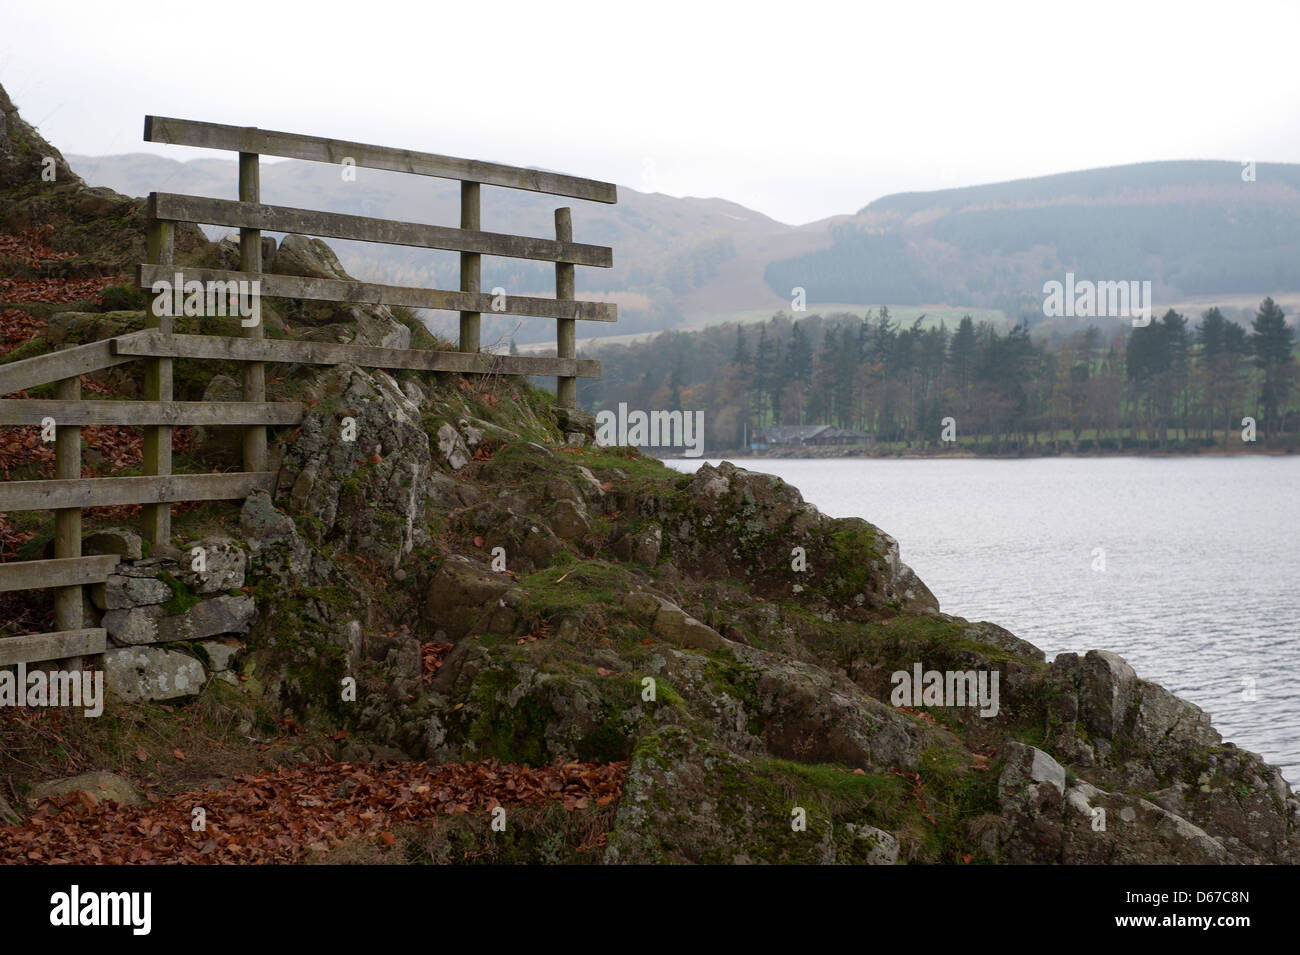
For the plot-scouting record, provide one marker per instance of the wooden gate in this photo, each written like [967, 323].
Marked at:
[158, 346]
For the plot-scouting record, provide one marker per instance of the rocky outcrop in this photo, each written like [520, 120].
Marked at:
[619, 638]
[102, 229]
[24, 152]
[449, 569]
[463, 597]
[731, 642]
[730, 522]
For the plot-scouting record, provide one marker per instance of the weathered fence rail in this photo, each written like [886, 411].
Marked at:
[158, 346]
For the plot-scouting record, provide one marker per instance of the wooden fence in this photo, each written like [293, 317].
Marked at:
[158, 346]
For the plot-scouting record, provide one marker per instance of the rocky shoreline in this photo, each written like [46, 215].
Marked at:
[820, 452]
[470, 580]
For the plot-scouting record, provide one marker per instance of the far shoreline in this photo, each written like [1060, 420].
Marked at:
[974, 455]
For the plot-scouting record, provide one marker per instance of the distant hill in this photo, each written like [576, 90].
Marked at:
[672, 257]
[1194, 229]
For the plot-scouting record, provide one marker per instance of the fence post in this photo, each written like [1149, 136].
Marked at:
[471, 276]
[566, 388]
[67, 521]
[250, 260]
[157, 518]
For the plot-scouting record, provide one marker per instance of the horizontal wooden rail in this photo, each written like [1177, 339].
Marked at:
[267, 142]
[338, 290]
[222, 348]
[251, 215]
[60, 572]
[56, 366]
[37, 647]
[159, 489]
[19, 411]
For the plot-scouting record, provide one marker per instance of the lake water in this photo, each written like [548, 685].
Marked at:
[1202, 564]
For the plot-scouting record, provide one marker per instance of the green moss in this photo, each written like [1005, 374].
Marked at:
[607, 743]
[757, 803]
[182, 597]
[666, 694]
[28, 349]
[638, 466]
[582, 589]
[124, 297]
[301, 647]
[512, 734]
[738, 681]
[958, 794]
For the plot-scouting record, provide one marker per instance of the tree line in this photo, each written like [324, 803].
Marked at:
[1170, 385]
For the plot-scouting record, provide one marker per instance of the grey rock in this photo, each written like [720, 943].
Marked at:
[114, 540]
[590, 487]
[151, 673]
[370, 495]
[687, 800]
[472, 436]
[221, 652]
[463, 595]
[1163, 718]
[373, 325]
[415, 393]
[1026, 769]
[884, 849]
[207, 618]
[810, 714]
[276, 545]
[676, 626]
[268, 253]
[642, 546]
[568, 519]
[103, 786]
[576, 421]
[452, 447]
[308, 257]
[744, 524]
[1136, 831]
[120, 592]
[217, 615]
[150, 567]
[529, 543]
[133, 626]
[224, 564]
[1003, 639]
[1104, 684]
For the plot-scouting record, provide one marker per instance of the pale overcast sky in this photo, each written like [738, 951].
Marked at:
[800, 109]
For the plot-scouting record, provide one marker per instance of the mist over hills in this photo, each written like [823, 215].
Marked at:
[1193, 228]
[672, 257]
[1198, 230]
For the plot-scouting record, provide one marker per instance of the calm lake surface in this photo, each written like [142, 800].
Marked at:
[1201, 587]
